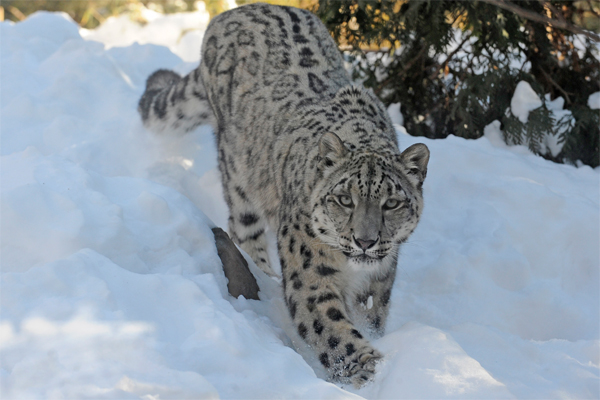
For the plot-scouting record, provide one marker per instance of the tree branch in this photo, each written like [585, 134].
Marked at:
[404, 70]
[452, 54]
[591, 10]
[556, 85]
[553, 10]
[533, 16]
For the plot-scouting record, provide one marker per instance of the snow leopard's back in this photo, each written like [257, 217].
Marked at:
[263, 60]
[257, 60]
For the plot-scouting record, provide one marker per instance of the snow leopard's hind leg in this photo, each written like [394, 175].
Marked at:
[174, 104]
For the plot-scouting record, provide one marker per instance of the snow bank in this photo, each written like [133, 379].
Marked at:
[112, 288]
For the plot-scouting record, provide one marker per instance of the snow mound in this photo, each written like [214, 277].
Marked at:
[112, 287]
[424, 362]
[524, 101]
[396, 114]
[594, 101]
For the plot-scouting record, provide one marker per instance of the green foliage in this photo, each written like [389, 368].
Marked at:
[539, 123]
[454, 66]
[582, 141]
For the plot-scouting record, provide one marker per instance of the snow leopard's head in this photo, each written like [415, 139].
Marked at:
[367, 203]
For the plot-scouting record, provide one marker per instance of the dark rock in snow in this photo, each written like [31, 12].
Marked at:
[241, 280]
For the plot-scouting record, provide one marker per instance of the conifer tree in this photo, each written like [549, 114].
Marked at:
[454, 65]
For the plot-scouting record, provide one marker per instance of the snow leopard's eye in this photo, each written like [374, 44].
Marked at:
[390, 204]
[346, 201]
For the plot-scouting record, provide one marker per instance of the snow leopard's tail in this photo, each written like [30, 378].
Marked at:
[174, 104]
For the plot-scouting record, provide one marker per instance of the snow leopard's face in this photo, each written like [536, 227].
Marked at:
[368, 204]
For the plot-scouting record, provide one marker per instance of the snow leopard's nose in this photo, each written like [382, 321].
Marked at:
[365, 244]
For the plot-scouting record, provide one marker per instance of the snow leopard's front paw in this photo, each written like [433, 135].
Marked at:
[362, 368]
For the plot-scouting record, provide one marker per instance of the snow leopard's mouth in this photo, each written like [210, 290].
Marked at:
[363, 258]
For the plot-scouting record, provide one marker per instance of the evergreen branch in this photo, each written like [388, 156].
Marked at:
[407, 66]
[439, 66]
[554, 11]
[458, 15]
[533, 16]
[556, 85]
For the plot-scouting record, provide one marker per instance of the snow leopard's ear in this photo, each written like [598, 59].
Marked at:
[331, 148]
[415, 160]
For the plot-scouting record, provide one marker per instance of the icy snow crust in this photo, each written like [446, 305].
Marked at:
[112, 288]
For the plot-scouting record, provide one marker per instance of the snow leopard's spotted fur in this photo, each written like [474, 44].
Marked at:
[313, 157]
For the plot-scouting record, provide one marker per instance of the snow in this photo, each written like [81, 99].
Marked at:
[433, 366]
[524, 101]
[112, 287]
[396, 113]
[181, 32]
[594, 101]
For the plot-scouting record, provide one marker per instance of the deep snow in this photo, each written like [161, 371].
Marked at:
[111, 286]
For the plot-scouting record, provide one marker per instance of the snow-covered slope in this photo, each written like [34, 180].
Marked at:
[111, 286]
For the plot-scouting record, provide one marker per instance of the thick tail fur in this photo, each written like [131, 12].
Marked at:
[174, 104]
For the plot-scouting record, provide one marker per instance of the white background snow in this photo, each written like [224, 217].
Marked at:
[111, 286]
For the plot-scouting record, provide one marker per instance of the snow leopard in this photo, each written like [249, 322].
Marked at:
[313, 157]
